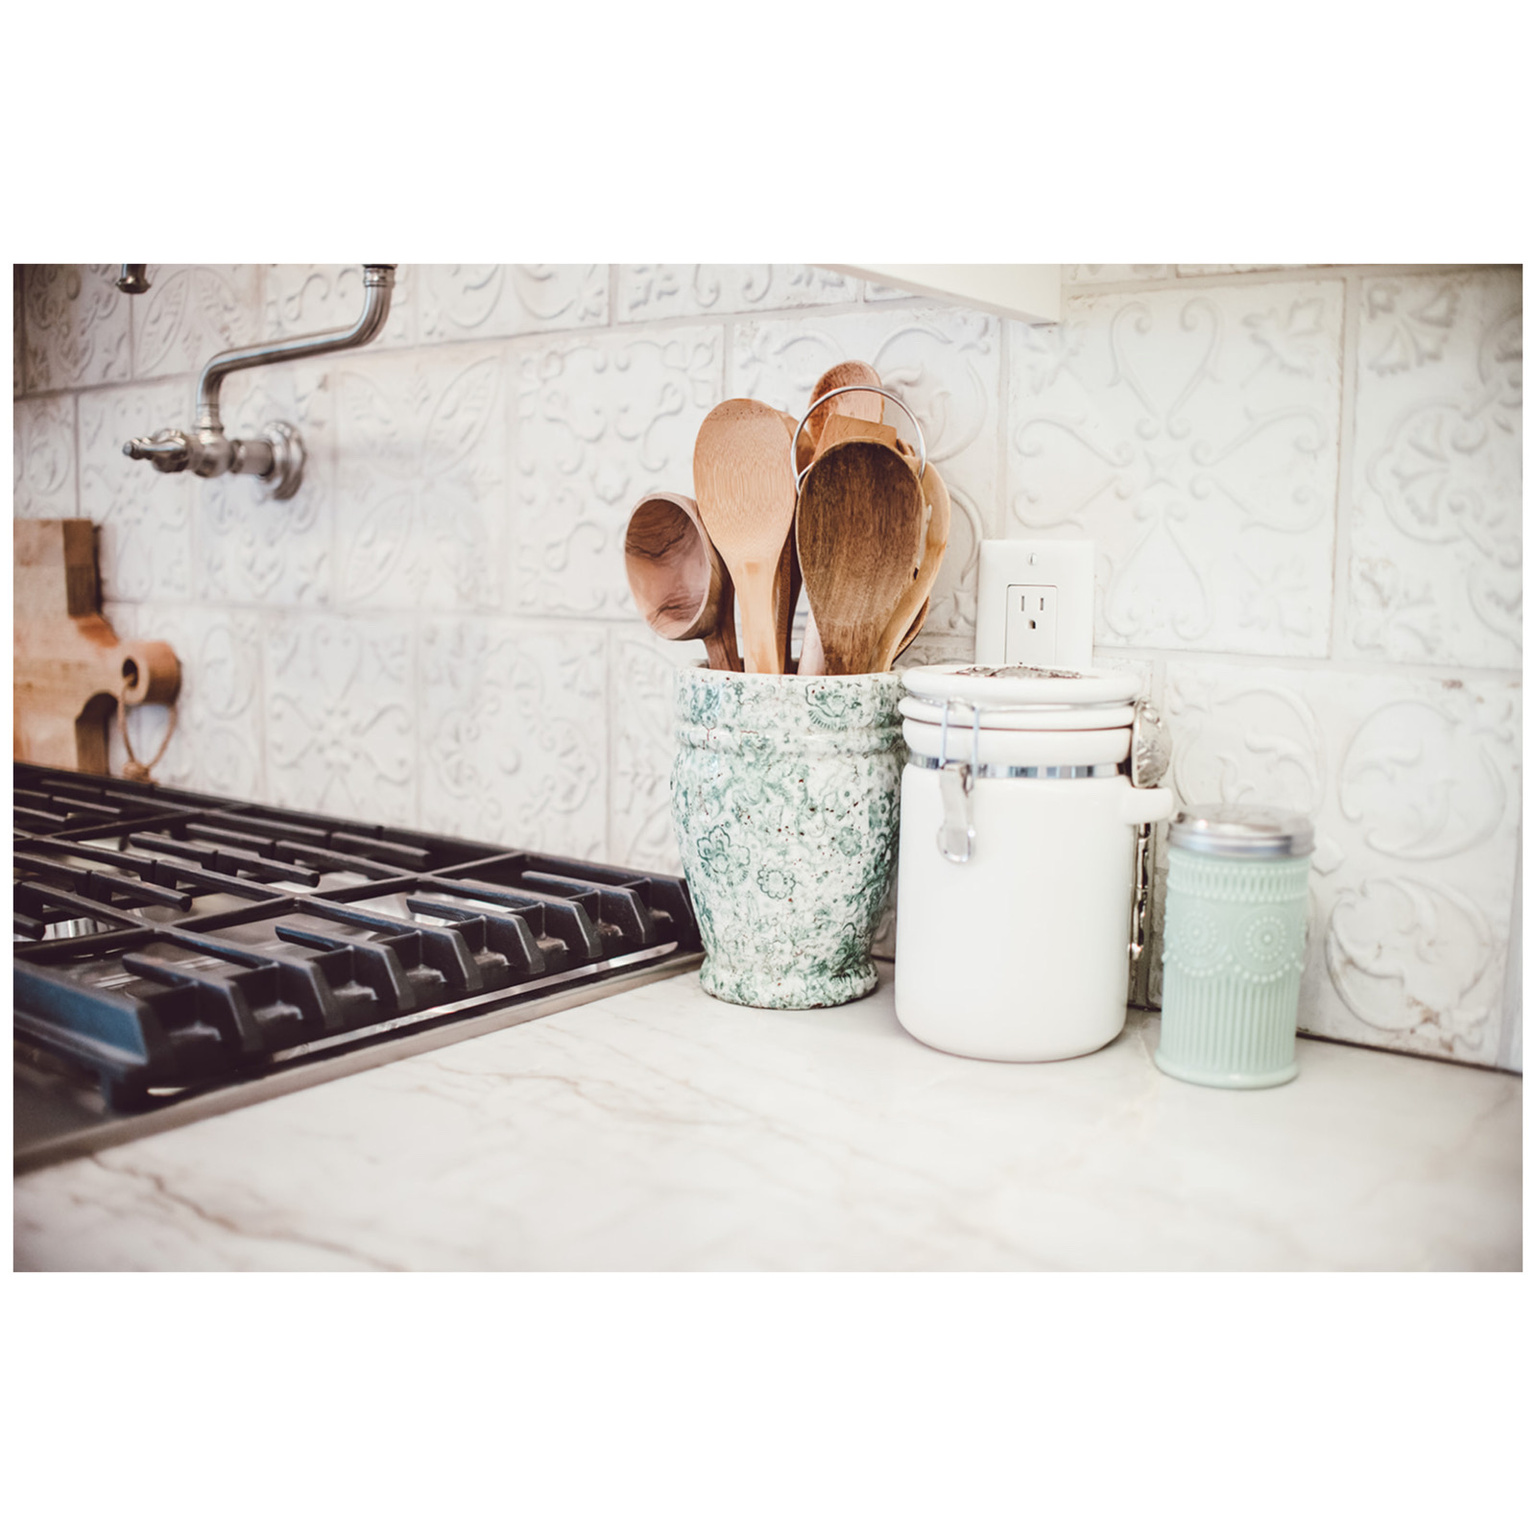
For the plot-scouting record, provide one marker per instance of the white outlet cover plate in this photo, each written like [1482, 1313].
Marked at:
[1066, 565]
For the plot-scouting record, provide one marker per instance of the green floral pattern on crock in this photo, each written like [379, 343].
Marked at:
[785, 795]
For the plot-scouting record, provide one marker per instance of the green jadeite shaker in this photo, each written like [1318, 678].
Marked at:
[1234, 942]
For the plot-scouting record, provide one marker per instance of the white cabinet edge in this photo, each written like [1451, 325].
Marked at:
[1028, 293]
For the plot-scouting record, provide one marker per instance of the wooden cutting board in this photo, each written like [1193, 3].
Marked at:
[71, 669]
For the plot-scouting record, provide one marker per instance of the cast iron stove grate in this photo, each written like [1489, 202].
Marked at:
[172, 945]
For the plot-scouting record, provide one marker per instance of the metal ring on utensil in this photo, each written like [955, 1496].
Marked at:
[867, 389]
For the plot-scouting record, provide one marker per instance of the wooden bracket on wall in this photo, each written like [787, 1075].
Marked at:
[71, 669]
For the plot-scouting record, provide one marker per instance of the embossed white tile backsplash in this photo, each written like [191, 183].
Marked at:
[1303, 483]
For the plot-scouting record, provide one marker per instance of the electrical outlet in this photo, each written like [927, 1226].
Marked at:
[1030, 638]
[1034, 604]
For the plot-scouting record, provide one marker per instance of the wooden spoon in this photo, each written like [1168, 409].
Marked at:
[866, 407]
[840, 429]
[907, 618]
[855, 406]
[680, 585]
[745, 483]
[859, 528]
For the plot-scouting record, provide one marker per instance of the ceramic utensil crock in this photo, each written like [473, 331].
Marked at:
[1018, 835]
[784, 800]
[1234, 941]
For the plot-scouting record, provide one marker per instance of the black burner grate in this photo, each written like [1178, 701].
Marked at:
[167, 942]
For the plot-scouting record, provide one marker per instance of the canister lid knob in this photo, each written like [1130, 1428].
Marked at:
[1242, 831]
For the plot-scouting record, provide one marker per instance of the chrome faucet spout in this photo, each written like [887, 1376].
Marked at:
[378, 288]
[276, 457]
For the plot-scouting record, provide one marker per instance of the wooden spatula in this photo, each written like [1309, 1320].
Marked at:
[745, 484]
[859, 530]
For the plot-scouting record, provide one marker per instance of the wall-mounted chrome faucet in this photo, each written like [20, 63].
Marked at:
[276, 457]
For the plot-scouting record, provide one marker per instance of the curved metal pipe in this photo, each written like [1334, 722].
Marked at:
[378, 286]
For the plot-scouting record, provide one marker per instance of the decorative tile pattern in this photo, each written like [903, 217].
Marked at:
[514, 734]
[1088, 276]
[1194, 438]
[189, 315]
[263, 551]
[76, 327]
[145, 548]
[453, 303]
[216, 747]
[342, 723]
[1413, 784]
[641, 668]
[946, 365]
[657, 293]
[43, 463]
[1434, 532]
[597, 422]
[421, 480]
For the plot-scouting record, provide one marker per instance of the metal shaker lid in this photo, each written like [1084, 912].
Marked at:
[1242, 831]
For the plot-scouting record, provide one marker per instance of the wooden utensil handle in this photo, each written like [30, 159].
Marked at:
[759, 620]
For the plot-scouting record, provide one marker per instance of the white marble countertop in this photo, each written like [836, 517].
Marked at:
[662, 1130]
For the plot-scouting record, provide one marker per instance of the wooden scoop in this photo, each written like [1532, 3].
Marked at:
[745, 484]
[909, 613]
[680, 584]
[859, 529]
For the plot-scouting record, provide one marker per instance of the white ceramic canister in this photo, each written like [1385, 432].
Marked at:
[1017, 875]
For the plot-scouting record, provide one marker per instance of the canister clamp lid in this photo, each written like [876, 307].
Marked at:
[1242, 831]
[1003, 688]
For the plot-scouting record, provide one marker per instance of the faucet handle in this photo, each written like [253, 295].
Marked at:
[169, 451]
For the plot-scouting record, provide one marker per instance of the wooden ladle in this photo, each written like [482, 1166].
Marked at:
[679, 582]
[745, 482]
[859, 530]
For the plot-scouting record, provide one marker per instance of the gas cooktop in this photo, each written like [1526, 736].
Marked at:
[178, 955]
